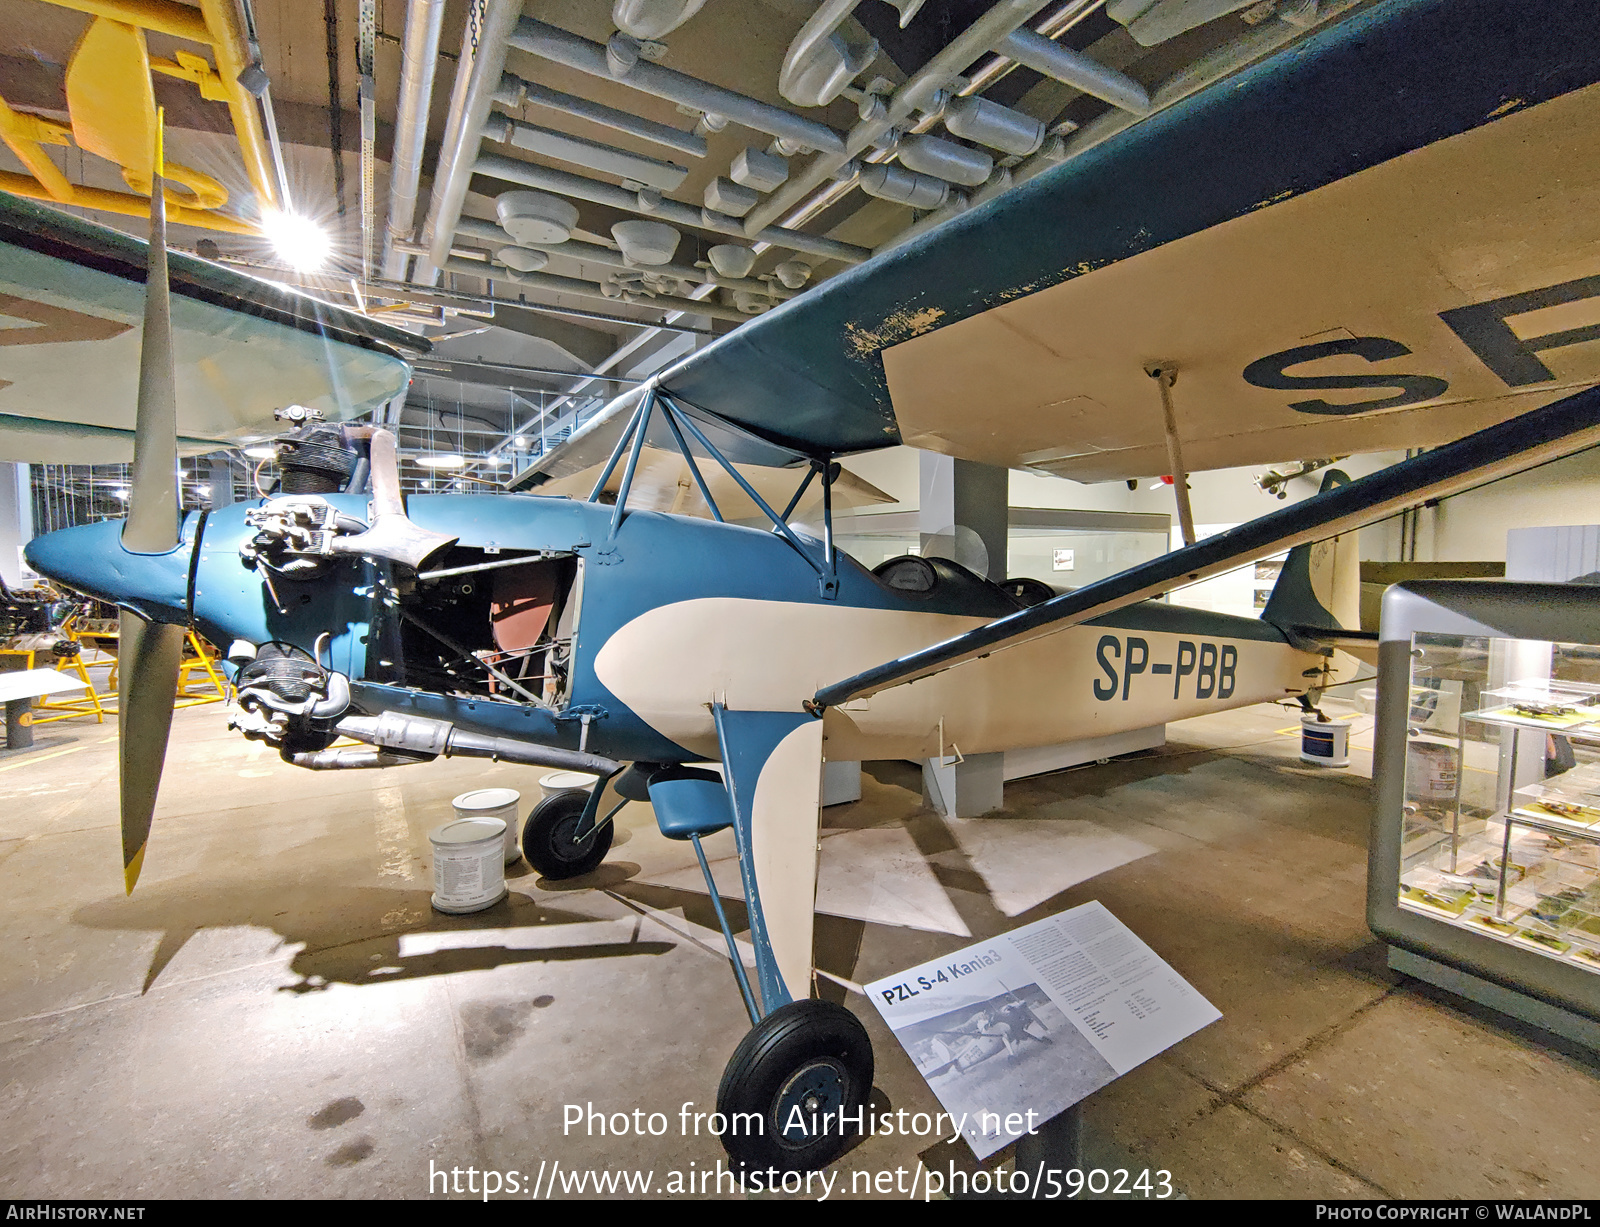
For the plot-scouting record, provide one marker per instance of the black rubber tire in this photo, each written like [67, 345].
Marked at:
[548, 843]
[801, 1040]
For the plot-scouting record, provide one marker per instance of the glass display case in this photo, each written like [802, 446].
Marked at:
[1486, 844]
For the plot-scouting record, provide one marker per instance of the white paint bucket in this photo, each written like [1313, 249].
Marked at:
[469, 868]
[498, 803]
[565, 781]
[1324, 742]
[1431, 770]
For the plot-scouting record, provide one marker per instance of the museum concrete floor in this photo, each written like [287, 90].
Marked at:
[278, 1012]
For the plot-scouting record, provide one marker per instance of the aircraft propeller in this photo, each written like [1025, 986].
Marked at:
[149, 653]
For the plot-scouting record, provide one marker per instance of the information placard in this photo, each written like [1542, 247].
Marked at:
[1012, 1031]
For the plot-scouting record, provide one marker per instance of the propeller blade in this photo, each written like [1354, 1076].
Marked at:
[152, 526]
[148, 658]
[149, 653]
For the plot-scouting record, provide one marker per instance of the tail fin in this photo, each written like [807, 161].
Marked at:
[1317, 599]
[1319, 587]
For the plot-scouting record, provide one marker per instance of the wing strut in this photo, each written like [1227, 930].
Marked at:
[1541, 435]
[1166, 374]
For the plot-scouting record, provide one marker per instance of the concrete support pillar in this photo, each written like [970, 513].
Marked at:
[964, 513]
[16, 519]
[964, 516]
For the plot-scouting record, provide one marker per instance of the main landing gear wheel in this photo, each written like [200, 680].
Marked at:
[795, 1072]
[549, 838]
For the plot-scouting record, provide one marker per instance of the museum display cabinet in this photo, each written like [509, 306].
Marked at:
[1486, 842]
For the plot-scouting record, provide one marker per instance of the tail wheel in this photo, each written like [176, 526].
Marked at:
[795, 1088]
[550, 842]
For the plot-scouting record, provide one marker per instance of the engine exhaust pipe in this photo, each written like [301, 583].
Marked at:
[421, 735]
[391, 535]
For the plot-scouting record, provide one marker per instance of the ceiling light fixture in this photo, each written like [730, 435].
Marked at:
[442, 460]
[299, 241]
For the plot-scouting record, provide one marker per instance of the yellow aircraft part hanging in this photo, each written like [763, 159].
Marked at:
[26, 135]
[113, 108]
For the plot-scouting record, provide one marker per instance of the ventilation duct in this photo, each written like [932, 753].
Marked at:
[550, 43]
[903, 186]
[535, 217]
[999, 127]
[649, 19]
[822, 61]
[727, 197]
[1073, 68]
[761, 171]
[607, 159]
[514, 92]
[645, 243]
[793, 274]
[522, 259]
[732, 260]
[1155, 21]
[931, 155]
[548, 179]
[751, 302]
[418, 57]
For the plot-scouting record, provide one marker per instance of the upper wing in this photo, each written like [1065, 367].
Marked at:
[1386, 236]
[71, 301]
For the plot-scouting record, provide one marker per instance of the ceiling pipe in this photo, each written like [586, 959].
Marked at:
[1225, 60]
[480, 231]
[514, 92]
[607, 159]
[920, 93]
[417, 59]
[1062, 63]
[589, 289]
[543, 178]
[819, 63]
[475, 304]
[1055, 25]
[477, 78]
[550, 43]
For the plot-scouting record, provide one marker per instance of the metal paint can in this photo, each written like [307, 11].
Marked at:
[498, 803]
[1324, 742]
[1432, 770]
[469, 868]
[565, 781]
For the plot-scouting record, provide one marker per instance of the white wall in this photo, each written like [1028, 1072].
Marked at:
[1470, 527]
[16, 519]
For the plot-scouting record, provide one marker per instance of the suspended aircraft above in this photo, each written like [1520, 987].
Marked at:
[634, 643]
[71, 298]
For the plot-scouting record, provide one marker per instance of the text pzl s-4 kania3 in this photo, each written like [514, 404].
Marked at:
[1346, 247]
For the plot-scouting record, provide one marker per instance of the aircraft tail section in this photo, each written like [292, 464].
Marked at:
[1317, 599]
[1319, 588]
